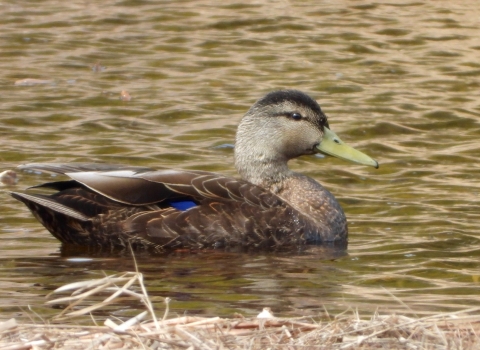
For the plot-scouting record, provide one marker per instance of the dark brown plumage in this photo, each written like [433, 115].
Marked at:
[112, 206]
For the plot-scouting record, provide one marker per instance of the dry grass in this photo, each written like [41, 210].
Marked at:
[459, 330]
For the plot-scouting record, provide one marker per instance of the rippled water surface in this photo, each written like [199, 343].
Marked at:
[398, 80]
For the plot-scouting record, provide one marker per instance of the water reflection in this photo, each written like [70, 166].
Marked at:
[205, 283]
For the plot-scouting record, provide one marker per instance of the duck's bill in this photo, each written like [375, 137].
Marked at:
[332, 145]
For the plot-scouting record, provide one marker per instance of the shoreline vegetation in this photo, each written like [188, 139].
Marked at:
[454, 330]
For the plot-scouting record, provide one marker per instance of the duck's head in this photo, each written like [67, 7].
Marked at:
[286, 124]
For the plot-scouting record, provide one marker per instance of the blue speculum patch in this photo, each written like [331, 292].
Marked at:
[182, 205]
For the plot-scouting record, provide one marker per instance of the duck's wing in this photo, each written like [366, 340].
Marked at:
[142, 186]
[230, 213]
[125, 205]
[62, 168]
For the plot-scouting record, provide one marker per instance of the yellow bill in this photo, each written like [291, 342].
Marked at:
[333, 146]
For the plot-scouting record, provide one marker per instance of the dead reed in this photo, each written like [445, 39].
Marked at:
[457, 330]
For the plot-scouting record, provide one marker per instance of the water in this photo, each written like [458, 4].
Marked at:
[398, 81]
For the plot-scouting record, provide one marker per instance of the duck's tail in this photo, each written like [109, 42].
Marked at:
[65, 223]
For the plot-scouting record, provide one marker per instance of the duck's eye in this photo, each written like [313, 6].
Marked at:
[296, 116]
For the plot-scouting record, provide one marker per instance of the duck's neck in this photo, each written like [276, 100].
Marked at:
[263, 172]
[257, 158]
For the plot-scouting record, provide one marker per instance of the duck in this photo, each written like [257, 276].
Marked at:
[271, 208]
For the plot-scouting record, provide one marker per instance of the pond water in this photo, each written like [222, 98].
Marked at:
[398, 80]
